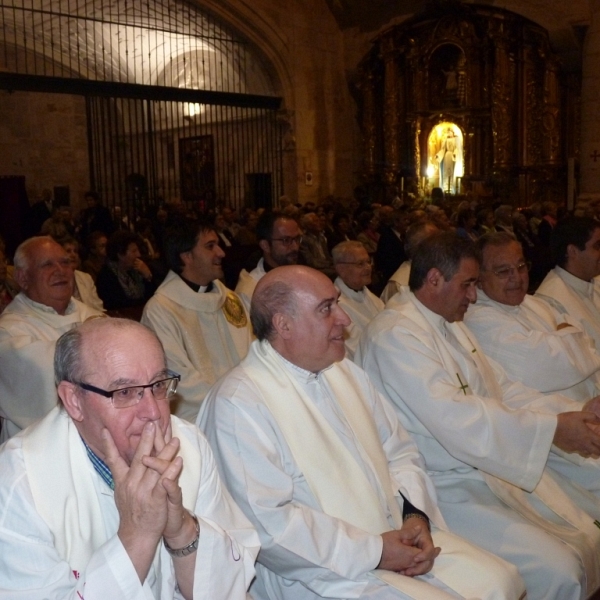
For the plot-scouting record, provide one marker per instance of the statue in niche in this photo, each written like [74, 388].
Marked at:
[445, 157]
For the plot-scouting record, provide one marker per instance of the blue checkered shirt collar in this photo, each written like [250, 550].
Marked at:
[100, 466]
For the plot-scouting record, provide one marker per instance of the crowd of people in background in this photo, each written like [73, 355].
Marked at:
[126, 263]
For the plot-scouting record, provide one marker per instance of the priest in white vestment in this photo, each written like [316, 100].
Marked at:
[532, 341]
[29, 328]
[485, 440]
[573, 287]
[320, 464]
[415, 234]
[202, 325]
[279, 240]
[108, 496]
[354, 268]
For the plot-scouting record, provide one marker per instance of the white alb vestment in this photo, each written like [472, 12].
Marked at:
[28, 334]
[201, 341]
[361, 307]
[575, 297]
[306, 463]
[396, 281]
[247, 283]
[85, 291]
[58, 531]
[524, 339]
[480, 446]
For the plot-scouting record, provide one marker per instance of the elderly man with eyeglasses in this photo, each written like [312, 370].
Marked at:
[354, 266]
[109, 496]
[279, 240]
[536, 345]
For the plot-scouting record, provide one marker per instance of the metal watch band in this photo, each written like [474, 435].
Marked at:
[190, 548]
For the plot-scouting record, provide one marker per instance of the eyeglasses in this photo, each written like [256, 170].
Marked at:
[358, 263]
[125, 397]
[506, 272]
[288, 241]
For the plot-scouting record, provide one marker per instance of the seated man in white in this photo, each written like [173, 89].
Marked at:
[29, 328]
[108, 496]
[415, 234]
[320, 464]
[571, 287]
[203, 326]
[485, 440]
[534, 343]
[354, 266]
[279, 239]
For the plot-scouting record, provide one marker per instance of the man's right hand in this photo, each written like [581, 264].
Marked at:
[141, 497]
[575, 433]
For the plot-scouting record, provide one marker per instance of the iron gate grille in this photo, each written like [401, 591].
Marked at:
[144, 152]
[178, 105]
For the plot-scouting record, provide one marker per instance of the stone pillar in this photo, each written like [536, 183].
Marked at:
[590, 106]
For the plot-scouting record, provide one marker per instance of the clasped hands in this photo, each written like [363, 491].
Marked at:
[148, 496]
[579, 431]
[410, 550]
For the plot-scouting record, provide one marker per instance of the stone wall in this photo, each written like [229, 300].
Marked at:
[43, 137]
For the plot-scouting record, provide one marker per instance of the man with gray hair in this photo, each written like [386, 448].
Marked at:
[321, 466]
[354, 266]
[486, 440]
[109, 496]
[29, 328]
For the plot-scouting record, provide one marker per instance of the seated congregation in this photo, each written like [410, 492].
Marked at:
[300, 437]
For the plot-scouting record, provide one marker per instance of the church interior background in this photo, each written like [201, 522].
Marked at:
[245, 101]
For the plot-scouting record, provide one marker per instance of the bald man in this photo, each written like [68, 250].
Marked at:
[29, 328]
[322, 467]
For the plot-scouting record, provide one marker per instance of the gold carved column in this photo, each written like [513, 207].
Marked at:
[501, 102]
[369, 132]
[551, 114]
[590, 100]
[391, 111]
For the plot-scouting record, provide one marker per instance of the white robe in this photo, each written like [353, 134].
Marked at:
[247, 283]
[575, 297]
[305, 553]
[462, 432]
[396, 281]
[85, 291]
[200, 343]
[361, 307]
[33, 568]
[524, 339]
[28, 334]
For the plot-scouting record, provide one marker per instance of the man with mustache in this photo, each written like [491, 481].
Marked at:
[109, 496]
[485, 439]
[29, 328]
[202, 325]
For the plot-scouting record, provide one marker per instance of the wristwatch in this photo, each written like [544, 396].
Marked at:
[190, 548]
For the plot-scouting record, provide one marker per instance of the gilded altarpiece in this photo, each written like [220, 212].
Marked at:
[465, 97]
